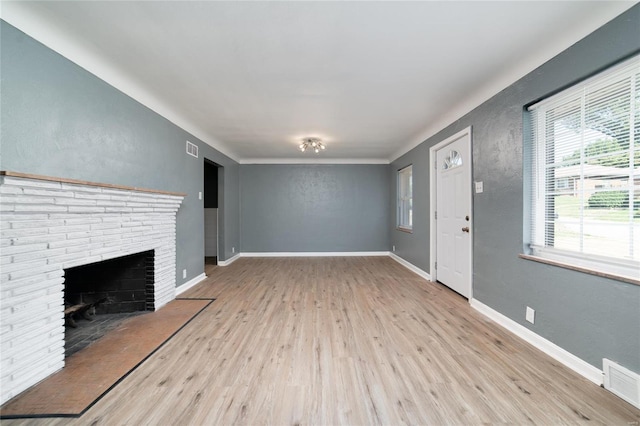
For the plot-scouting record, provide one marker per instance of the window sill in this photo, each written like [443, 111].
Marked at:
[611, 276]
[407, 230]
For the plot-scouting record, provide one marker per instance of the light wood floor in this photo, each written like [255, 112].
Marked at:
[355, 341]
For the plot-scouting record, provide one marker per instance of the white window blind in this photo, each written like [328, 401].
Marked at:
[586, 173]
[405, 198]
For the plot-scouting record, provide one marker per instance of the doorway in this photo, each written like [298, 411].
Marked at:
[211, 191]
[451, 213]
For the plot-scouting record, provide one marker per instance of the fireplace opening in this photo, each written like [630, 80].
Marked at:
[99, 296]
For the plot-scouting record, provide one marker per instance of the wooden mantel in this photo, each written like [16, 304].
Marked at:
[84, 182]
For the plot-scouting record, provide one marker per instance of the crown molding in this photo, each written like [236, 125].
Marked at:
[313, 161]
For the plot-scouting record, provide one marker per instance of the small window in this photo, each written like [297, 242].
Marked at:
[585, 173]
[405, 198]
[453, 160]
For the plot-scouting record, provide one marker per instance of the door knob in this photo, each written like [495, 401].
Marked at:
[465, 229]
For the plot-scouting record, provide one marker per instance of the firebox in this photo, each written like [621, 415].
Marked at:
[123, 284]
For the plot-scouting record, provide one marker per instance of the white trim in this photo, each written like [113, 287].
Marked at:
[229, 261]
[578, 365]
[626, 391]
[192, 282]
[316, 254]
[433, 227]
[313, 160]
[410, 266]
[607, 265]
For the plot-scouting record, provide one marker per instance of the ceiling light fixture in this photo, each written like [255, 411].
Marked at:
[312, 143]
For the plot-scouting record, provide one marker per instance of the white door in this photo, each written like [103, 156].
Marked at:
[453, 214]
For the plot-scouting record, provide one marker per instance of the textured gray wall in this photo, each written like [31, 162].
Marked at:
[59, 120]
[314, 208]
[588, 316]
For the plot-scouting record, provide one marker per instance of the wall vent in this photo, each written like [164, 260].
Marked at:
[622, 382]
[192, 149]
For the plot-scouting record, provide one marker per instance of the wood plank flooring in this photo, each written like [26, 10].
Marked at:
[355, 341]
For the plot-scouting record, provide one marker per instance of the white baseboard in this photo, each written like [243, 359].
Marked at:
[410, 266]
[578, 365]
[229, 261]
[192, 282]
[315, 254]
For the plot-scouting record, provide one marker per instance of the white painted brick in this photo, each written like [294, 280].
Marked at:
[79, 234]
[15, 233]
[111, 203]
[76, 249]
[84, 261]
[9, 190]
[105, 225]
[35, 239]
[39, 208]
[106, 238]
[82, 220]
[118, 209]
[30, 183]
[92, 196]
[7, 207]
[111, 252]
[75, 202]
[18, 217]
[56, 288]
[120, 197]
[24, 266]
[37, 255]
[6, 249]
[47, 193]
[66, 229]
[25, 289]
[32, 271]
[85, 209]
[67, 257]
[81, 188]
[36, 224]
[131, 224]
[114, 231]
[68, 243]
[23, 199]
[115, 218]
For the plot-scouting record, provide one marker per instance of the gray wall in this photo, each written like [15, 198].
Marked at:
[314, 208]
[59, 120]
[588, 316]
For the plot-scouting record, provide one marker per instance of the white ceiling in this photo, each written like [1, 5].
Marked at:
[372, 79]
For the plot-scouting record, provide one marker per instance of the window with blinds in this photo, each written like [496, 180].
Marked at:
[585, 156]
[405, 198]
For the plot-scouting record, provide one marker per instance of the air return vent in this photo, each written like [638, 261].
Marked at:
[192, 149]
[622, 382]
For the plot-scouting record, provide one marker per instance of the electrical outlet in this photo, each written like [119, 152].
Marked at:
[479, 187]
[393, 248]
[233, 249]
[199, 195]
[184, 273]
[530, 315]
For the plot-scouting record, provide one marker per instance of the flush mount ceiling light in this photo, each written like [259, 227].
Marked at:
[312, 143]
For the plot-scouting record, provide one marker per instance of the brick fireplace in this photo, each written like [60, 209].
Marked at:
[49, 225]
